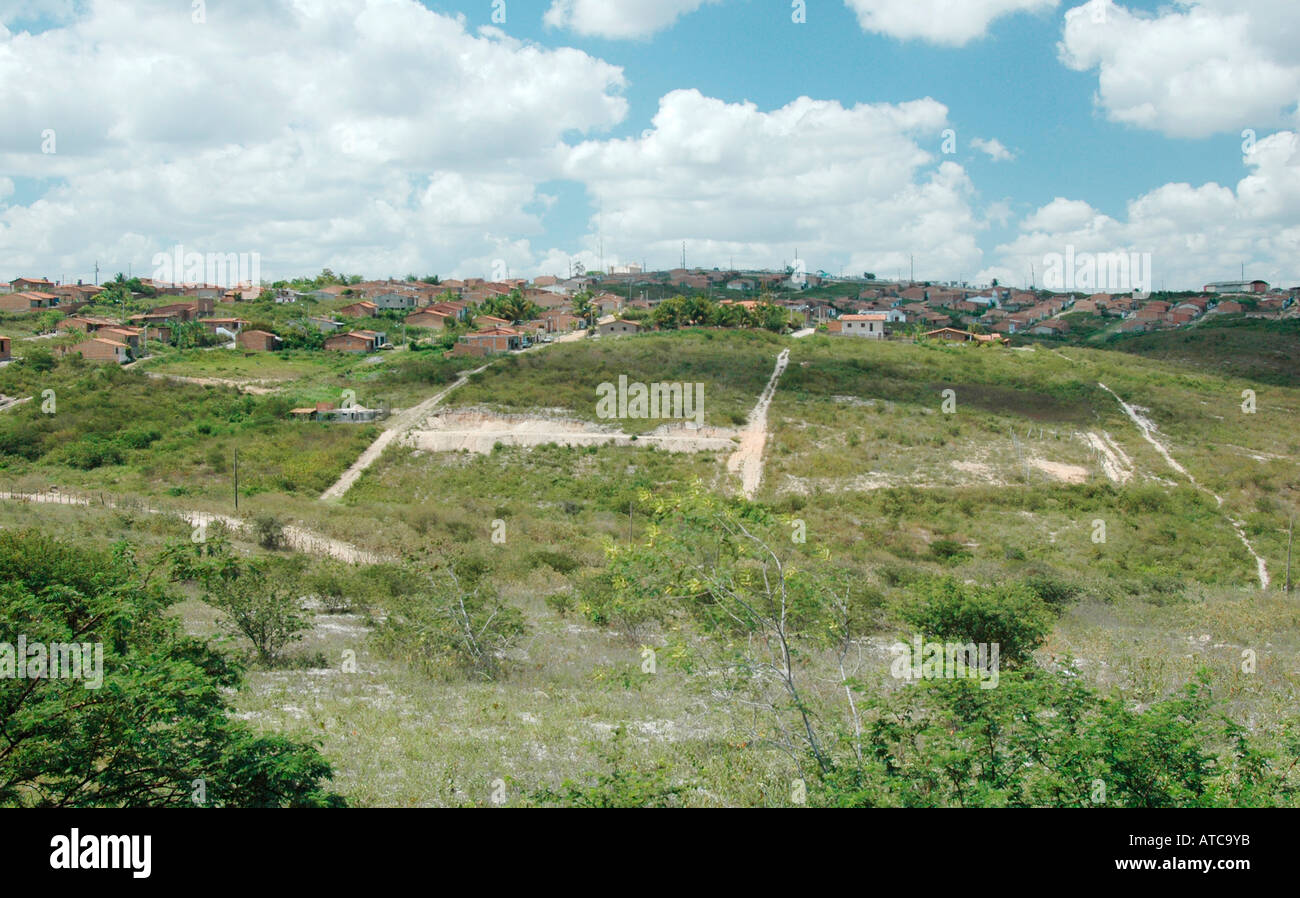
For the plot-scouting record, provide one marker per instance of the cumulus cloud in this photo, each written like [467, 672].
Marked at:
[1195, 234]
[993, 148]
[939, 21]
[1196, 69]
[849, 185]
[618, 18]
[400, 141]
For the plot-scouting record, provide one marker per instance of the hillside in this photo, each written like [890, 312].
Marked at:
[1258, 349]
[599, 568]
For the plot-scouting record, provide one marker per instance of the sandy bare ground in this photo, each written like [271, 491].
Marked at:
[747, 460]
[1149, 430]
[241, 385]
[399, 426]
[1060, 470]
[8, 402]
[1114, 461]
[474, 430]
[297, 538]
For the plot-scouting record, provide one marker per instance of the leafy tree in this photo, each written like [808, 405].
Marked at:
[158, 725]
[261, 602]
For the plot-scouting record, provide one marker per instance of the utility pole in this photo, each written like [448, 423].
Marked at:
[96, 272]
[236, 480]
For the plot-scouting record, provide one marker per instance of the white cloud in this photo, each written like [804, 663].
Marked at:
[993, 148]
[949, 22]
[1204, 67]
[848, 186]
[399, 142]
[618, 18]
[1195, 235]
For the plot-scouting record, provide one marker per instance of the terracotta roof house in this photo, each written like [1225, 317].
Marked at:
[356, 341]
[427, 318]
[363, 309]
[453, 308]
[97, 349]
[257, 341]
[131, 336]
[22, 302]
[21, 285]
[489, 321]
[231, 325]
[489, 341]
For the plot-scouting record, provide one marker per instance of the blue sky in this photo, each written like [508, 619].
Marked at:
[386, 136]
[1009, 85]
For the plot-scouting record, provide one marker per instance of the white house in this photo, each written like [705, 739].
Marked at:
[870, 325]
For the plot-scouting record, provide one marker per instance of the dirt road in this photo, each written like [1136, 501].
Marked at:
[297, 538]
[398, 426]
[747, 460]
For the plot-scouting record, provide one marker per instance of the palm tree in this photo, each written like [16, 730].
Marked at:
[582, 306]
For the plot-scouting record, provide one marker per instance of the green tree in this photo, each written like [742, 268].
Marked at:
[159, 724]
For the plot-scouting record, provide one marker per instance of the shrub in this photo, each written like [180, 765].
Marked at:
[1013, 617]
[269, 531]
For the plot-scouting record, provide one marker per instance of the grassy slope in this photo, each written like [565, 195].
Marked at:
[1168, 592]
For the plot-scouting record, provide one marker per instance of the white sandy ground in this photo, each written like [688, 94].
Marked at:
[1149, 430]
[399, 425]
[475, 430]
[298, 538]
[1114, 461]
[747, 460]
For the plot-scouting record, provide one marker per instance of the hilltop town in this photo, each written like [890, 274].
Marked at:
[120, 321]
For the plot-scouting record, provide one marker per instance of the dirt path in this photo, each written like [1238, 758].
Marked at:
[747, 460]
[1148, 430]
[300, 539]
[398, 426]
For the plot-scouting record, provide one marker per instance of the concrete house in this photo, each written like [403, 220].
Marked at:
[870, 325]
[614, 327]
[393, 300]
